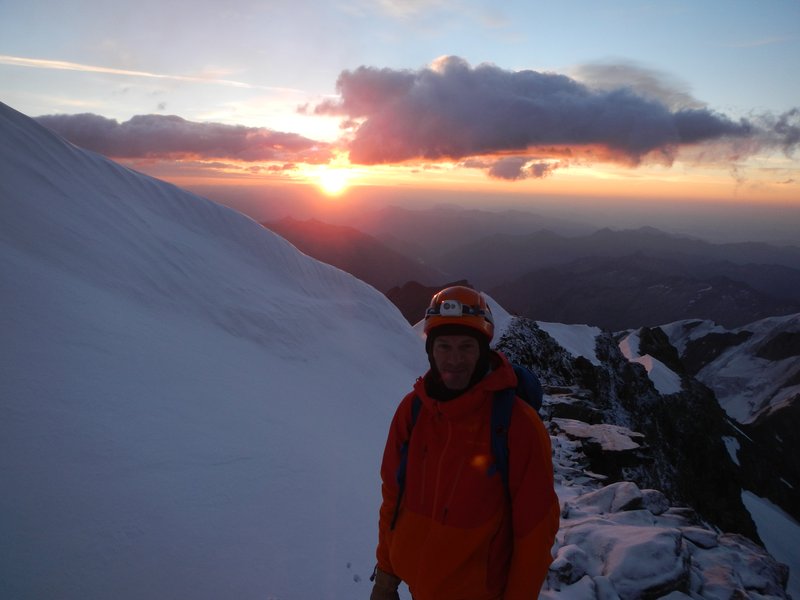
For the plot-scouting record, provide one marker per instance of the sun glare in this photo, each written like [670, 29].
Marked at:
[334, 178]
[333, 181]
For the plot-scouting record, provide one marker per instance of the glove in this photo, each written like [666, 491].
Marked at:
[385, 587]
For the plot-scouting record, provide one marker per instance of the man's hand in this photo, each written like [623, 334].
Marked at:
[385, 587]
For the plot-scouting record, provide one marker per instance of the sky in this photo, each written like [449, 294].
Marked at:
[504, 103]
[181, 442]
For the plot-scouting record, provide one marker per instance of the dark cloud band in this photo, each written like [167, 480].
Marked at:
[455, 111]
[160, 136]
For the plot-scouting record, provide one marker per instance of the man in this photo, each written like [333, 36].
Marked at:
[457, 532]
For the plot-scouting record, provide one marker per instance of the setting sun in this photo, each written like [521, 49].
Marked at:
[333, 181]
[334, 178]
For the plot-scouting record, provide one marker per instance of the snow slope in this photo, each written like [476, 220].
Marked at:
[578, 340]
[189, 407]
[665, 380]
[747, 385]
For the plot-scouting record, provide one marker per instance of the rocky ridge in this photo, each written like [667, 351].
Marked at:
[651, 503]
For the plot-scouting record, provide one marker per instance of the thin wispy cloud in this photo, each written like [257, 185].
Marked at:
[406, 9]
[61, 65]
[758, 43]
[645, 82]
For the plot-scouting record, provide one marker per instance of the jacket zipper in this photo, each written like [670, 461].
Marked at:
[424, 474]
[437, 485]
[454, 487]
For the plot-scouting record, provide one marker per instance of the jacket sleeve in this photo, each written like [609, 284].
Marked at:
[399, 432]
[534, 504]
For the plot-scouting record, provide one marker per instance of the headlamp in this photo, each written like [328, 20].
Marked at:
[451, 308]
[454, 308]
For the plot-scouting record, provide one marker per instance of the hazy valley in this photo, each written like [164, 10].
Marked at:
[614, 279]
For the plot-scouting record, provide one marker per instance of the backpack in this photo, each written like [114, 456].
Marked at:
[529, 389]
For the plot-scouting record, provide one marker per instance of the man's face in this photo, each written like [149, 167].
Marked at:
[455, 357]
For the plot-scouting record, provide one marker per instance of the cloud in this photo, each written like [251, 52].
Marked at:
[161, 136]
[404, 10]
[787, 130]
[61, 65]
[515, 168]
[647, 83]
[452, 111]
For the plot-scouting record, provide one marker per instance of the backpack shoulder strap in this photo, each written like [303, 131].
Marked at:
[416, 405]
[501, 420]
[529, 388]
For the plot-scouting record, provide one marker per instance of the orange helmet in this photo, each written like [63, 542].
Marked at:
[459, 305]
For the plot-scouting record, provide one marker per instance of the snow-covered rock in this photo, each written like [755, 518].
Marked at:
[685, 450]
[578, 340]
[754, 371]
[611, 545]
[681, 451]
[610, 438]
[665, 380]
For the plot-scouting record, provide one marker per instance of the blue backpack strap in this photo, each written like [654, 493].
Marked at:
[502, 405]
[529, 388]
[416, 405]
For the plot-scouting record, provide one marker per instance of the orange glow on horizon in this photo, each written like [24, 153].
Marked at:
[334, 178]
[675, 183]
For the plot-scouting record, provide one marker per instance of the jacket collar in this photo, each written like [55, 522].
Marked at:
[500, 376]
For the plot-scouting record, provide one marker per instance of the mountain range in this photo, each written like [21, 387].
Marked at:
[641, 290]
[614, 279]
[357, 253]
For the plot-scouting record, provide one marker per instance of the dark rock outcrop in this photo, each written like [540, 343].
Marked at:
[683, 453]
[754, 372]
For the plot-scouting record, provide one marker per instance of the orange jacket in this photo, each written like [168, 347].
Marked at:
[457, 536]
